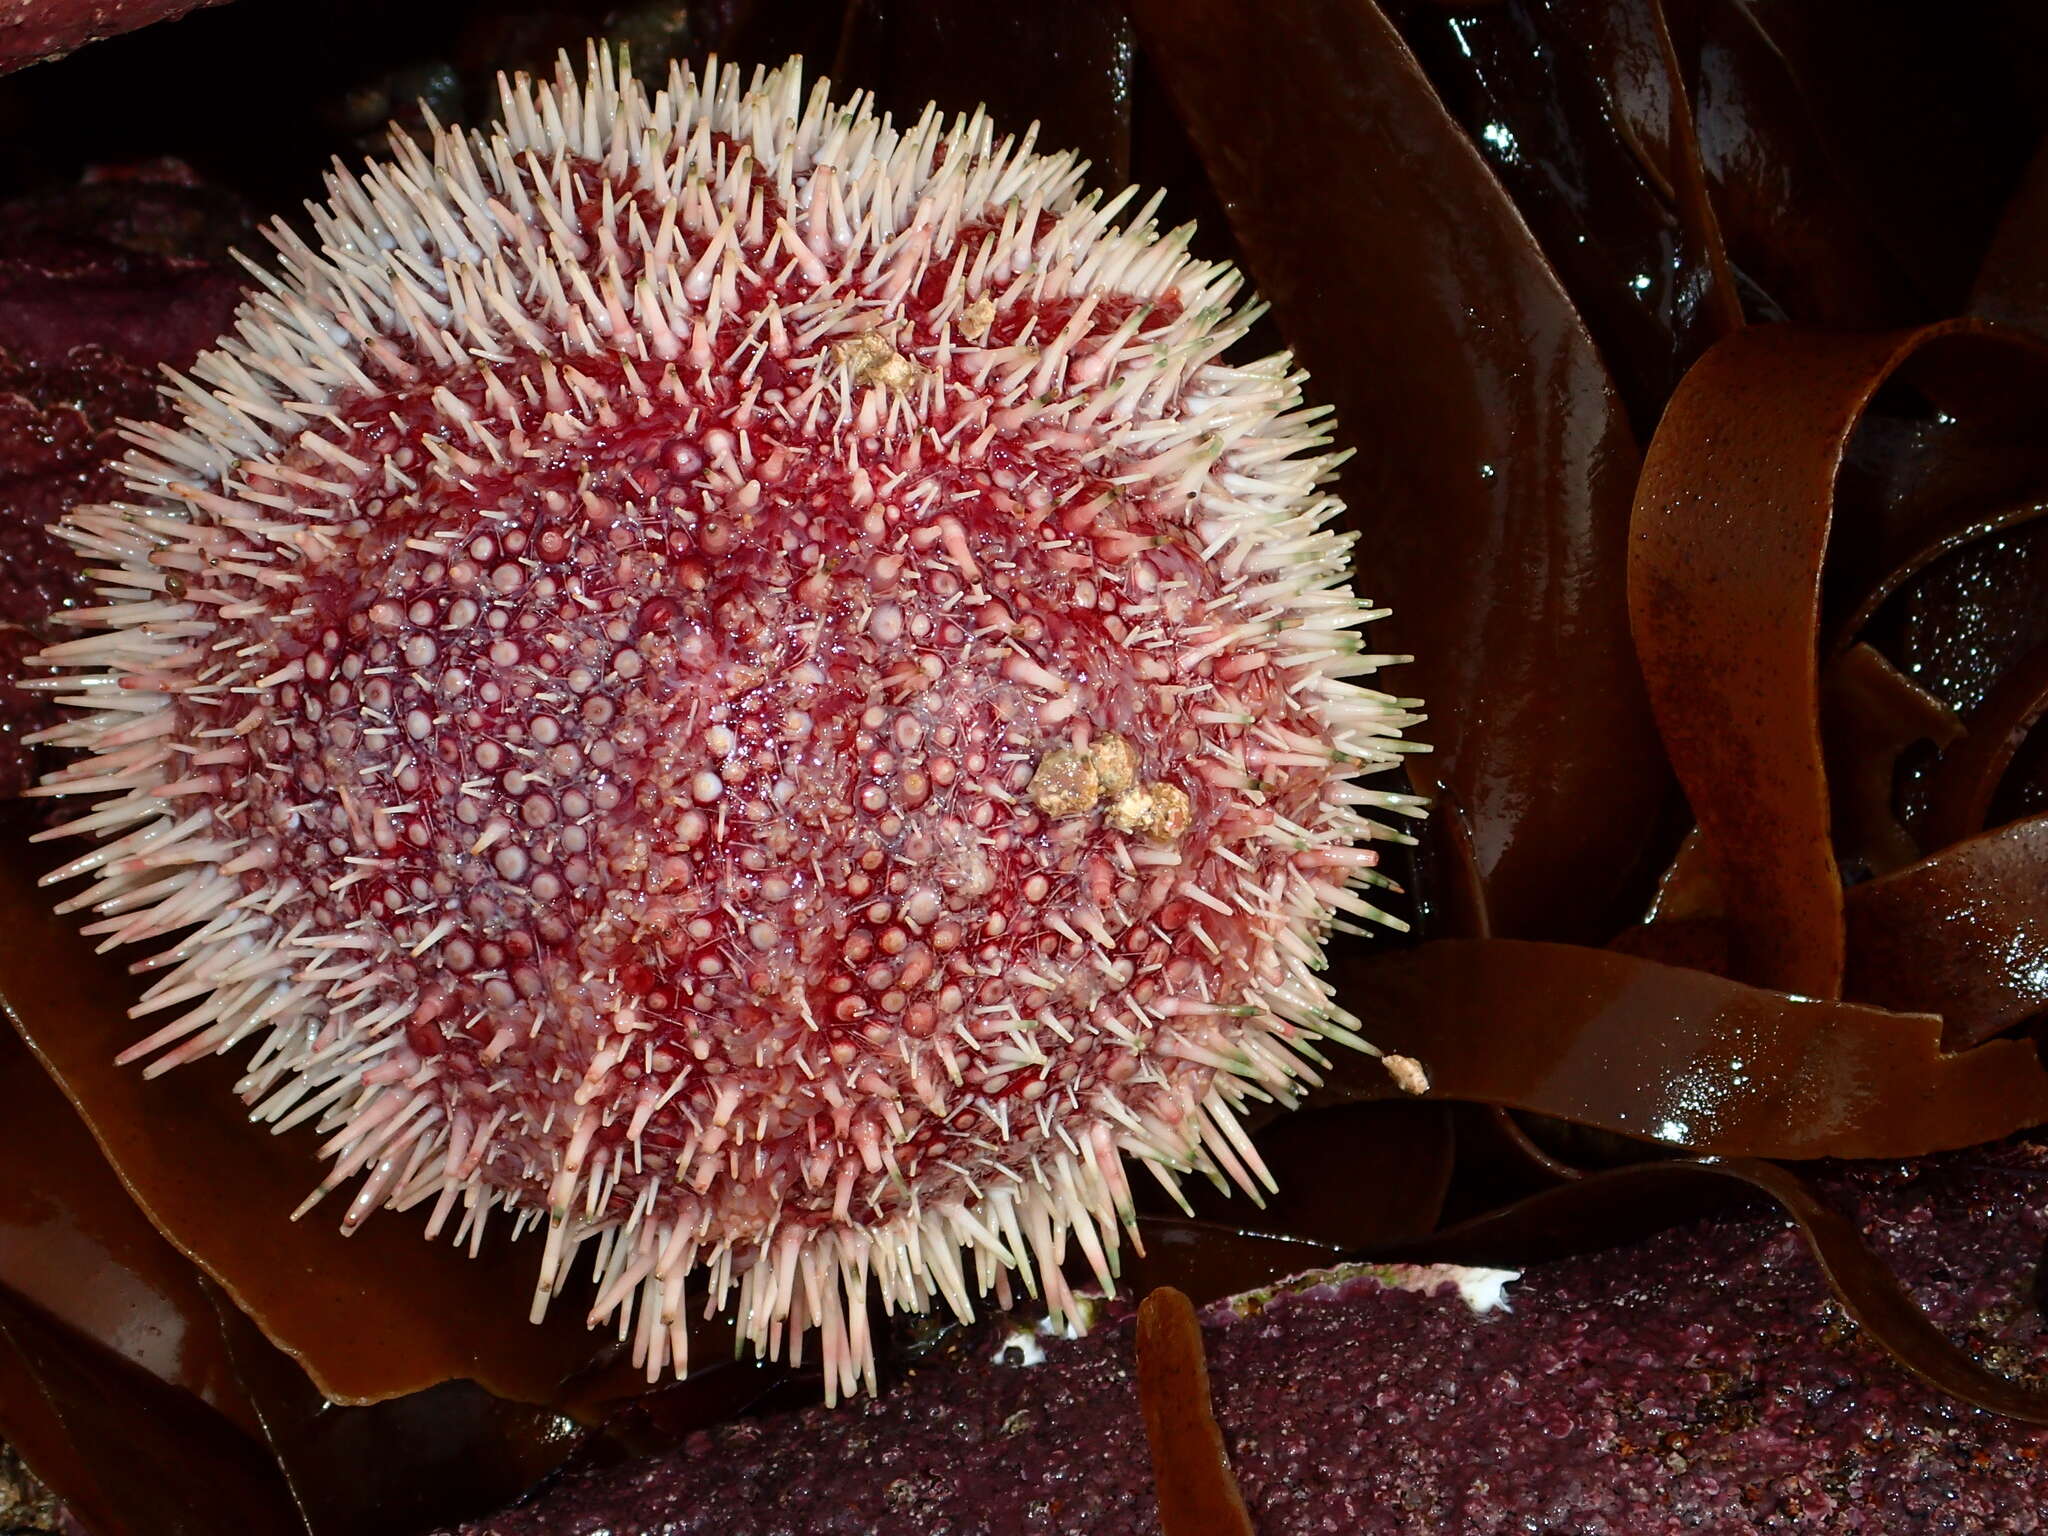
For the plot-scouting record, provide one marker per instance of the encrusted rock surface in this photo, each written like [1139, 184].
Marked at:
[1704, 1381]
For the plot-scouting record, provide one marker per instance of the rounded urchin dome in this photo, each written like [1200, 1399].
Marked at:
[741, 684]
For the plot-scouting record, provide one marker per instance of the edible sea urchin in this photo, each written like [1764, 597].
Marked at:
[742, 684]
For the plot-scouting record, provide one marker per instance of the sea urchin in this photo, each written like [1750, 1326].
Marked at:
[740, 683]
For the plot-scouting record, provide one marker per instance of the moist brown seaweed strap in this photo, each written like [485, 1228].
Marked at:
[1730, 528]
[1966, 780]
[1722, 303]
[1674, 1055]
[1495, 492]
[2012, 284]
[1954, 449]
[1963, 932]
[73, 1244]
[94, 1294]
[1732, 523]
[1581, 109]
[33, 1427]
[1197, 1491]
[140, 1457]
[1870, 714]
[1952, 523]
[407, 1464]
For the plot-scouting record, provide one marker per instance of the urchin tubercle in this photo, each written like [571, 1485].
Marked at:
[744, 685]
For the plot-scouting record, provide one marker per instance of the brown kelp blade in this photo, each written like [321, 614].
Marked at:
[1682, 1057]
[1495, 462]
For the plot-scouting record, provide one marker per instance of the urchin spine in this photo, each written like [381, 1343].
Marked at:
[478, 249]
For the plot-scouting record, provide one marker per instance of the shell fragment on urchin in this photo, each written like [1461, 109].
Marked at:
[743, 685]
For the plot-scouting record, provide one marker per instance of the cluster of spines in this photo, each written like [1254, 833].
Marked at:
[473, 253]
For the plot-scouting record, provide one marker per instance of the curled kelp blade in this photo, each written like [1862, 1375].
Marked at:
[1963, 788]
[1731, 531]
[132, 1454]
[1790, 763]
[1963, 932]
[1680, 1056]
[449, 1452]
[1871, 717]
[1495, 461]
[74, 1245]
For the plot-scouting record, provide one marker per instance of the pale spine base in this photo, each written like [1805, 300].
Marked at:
[427, 249]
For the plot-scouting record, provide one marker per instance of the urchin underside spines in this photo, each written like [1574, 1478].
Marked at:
[469, 256]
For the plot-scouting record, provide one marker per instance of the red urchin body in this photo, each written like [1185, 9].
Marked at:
[745, 686]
